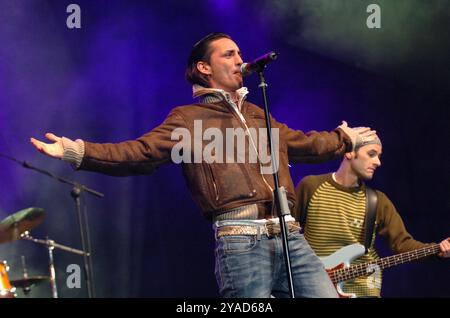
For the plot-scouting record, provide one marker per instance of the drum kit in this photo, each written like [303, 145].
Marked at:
[15, 227]
[18, 225]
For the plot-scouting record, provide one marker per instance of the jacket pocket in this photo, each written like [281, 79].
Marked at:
[230, 182]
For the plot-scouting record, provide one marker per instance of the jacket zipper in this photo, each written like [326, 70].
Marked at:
[243, 122]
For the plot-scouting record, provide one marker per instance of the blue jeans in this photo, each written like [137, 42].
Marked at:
[250, 268]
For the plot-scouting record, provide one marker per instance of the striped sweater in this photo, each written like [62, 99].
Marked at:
[335, 218]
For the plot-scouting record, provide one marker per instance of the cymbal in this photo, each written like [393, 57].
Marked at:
[29, 281]
[24, 220]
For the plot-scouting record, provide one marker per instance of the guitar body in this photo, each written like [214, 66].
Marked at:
[339, 269]
[342, 259]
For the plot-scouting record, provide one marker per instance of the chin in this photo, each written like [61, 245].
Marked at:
[366, 176]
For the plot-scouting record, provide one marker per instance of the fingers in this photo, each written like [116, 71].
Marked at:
[40, 146]
[445, 248]
[52, 137]
[37, 144]
[368, 133]
[361, 130]
[365, 132]
[54, 150]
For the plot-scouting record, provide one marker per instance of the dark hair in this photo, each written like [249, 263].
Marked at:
[201, 52]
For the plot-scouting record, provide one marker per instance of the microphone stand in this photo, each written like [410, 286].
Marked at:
[281, 201]
[76, 192]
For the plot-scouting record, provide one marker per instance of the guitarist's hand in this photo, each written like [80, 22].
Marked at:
[445, 248]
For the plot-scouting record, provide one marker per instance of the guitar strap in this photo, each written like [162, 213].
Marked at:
[371, 212]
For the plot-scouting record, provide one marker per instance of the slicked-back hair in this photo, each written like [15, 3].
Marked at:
[201, 52]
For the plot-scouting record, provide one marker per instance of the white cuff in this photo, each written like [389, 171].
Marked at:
[73, 151]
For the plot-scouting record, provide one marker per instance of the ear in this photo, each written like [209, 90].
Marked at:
[349, 155]
[204, 68]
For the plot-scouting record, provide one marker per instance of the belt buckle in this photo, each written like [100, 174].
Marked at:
[270, 228]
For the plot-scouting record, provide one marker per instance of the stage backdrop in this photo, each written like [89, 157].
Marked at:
[120, 74]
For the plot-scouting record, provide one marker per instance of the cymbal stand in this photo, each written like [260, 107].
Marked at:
[50, 244]
[27, 289]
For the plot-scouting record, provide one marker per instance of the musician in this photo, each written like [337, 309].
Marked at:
[332, 208]
[237, 197]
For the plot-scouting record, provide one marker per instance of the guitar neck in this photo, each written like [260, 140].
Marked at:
[365, 269]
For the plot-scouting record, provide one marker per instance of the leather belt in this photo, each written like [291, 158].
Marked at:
[269, 228]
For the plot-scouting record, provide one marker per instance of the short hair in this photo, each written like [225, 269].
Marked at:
[201, 52]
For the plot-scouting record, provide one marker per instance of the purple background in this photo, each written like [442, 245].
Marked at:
[120, 74]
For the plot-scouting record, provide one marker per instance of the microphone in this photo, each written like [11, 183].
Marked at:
[259, 64]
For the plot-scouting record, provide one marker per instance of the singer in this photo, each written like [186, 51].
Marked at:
[236, 196]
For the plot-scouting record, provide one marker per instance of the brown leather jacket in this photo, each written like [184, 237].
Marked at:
[216, 187]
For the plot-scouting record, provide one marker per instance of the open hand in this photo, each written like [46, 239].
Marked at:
[54, 150]
[359, 135]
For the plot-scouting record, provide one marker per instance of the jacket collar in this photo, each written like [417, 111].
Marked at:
[214, 95]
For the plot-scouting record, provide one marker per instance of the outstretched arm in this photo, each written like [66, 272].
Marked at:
[140, 156]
